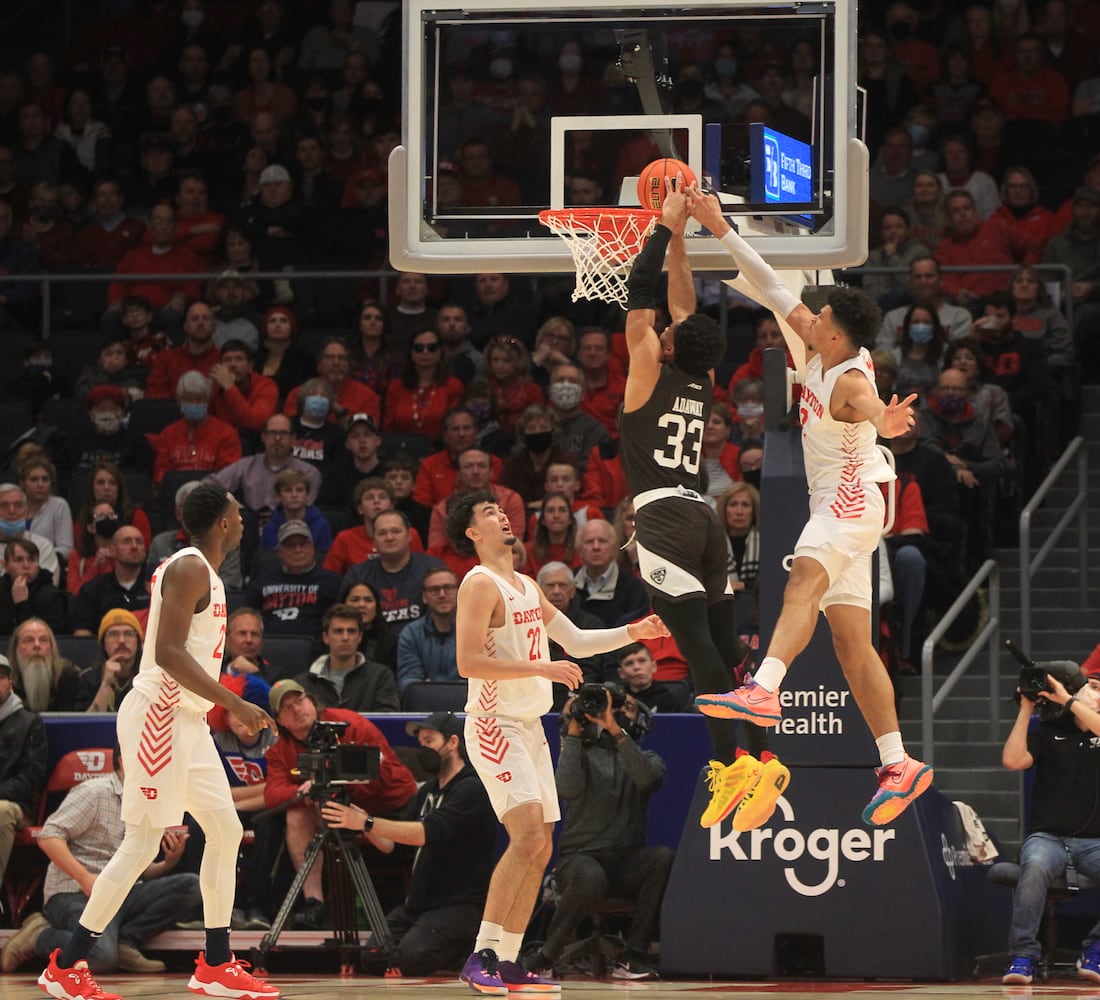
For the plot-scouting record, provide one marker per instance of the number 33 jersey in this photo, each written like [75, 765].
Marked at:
[205, 639]
[661, 442]
[521, 637]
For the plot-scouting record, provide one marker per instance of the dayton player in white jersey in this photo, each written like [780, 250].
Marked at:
[842, 416]
[170, 761]
[502, 635]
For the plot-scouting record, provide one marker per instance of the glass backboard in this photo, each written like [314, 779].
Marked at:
[512, 108]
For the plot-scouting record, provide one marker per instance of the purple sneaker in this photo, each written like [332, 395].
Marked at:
[480, 973]
[520, 980]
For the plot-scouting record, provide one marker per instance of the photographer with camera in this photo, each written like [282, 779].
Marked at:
[453, 828]
[1063, 837]
[605, 780]
[297, 715]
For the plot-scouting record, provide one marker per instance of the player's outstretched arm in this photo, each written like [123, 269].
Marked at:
[480, 607]
[889, 419]
[592, 641]
[184, 590]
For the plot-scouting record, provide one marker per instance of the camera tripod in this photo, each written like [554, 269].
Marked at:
[344, 860]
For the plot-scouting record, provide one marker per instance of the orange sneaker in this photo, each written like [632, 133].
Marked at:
[750, 702]
[898, 785]
[76, 983]
[232, 980]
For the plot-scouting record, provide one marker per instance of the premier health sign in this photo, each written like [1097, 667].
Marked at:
[787, 175]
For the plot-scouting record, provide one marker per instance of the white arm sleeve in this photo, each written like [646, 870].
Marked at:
[774, 294]
[582, 642]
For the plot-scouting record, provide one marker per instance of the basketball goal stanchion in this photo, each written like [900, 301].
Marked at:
[604, 243]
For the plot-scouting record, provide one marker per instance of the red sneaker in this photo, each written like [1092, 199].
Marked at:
[76, 983]
[230, 980]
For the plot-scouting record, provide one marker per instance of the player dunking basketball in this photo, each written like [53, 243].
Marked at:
[842, 418]
[170, 760]
[681, 544]
[501, 644]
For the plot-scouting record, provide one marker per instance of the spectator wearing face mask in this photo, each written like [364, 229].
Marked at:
[578, 432]
[315, 440]
[748, 411]
[197, 441]
[920, 350]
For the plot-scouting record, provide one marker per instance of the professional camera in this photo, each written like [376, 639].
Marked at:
[591, 699]
[1032, 681]
[328, 762]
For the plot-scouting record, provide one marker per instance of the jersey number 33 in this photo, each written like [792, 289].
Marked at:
[683, 445]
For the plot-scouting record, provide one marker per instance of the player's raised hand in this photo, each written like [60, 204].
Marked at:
[897, 418]
[561, 672]
[707, 210]
[252, 716]
[674, 211]
[650, 627]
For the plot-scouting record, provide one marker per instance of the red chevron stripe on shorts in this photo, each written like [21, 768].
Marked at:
[491, 742]
[155, 746]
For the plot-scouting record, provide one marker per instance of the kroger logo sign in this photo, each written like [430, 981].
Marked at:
[812, 860]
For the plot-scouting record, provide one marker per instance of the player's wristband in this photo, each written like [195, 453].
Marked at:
[642, 283]
[1067, 705]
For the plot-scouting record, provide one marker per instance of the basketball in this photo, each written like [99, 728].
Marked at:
[651, 183]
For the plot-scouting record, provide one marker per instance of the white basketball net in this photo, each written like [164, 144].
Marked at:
[604, 243]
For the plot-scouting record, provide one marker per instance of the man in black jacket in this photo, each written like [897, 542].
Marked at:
[453, 829]
[22, 764]
[605, 781]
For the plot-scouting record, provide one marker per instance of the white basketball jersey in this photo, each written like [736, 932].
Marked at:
[838, 452]
[521, 637]
[205, 641]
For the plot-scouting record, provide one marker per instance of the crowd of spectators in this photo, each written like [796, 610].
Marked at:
[222, 140]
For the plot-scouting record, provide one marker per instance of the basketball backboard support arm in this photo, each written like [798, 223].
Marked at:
[426, 236]
[637, 65]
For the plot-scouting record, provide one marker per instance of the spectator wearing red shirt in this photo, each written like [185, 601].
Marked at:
[604, 482]
[241, 397]
[1032, 91]
[565, 478]
[437, 474]
[349, 396]
[109, 233]
[1028, 224]
[482, 187]
[198, 230]
[604, 388]
[372, 496]
[554, 538]
[920, 59]
[196, 353]
[417, 401]
[169, 296]
[720, 456]
[47, 230]
[296, 713]
[969, 242]
[475, 472]
[768, 335]
[510, 382]
[195, 442]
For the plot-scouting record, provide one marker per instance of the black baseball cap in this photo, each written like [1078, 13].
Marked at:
[446, 723]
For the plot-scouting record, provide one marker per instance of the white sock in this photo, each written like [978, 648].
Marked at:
[489, 935]
[771, 674]
[890, 748]
[510, 944]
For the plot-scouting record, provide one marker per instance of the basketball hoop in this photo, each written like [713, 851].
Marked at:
[604, 243]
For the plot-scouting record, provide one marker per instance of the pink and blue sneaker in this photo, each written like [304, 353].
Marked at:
[750, 702]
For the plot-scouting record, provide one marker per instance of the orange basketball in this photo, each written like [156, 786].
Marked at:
[651, 183]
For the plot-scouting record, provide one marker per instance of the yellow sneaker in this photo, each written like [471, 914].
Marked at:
[757, 806]
[728, 784]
